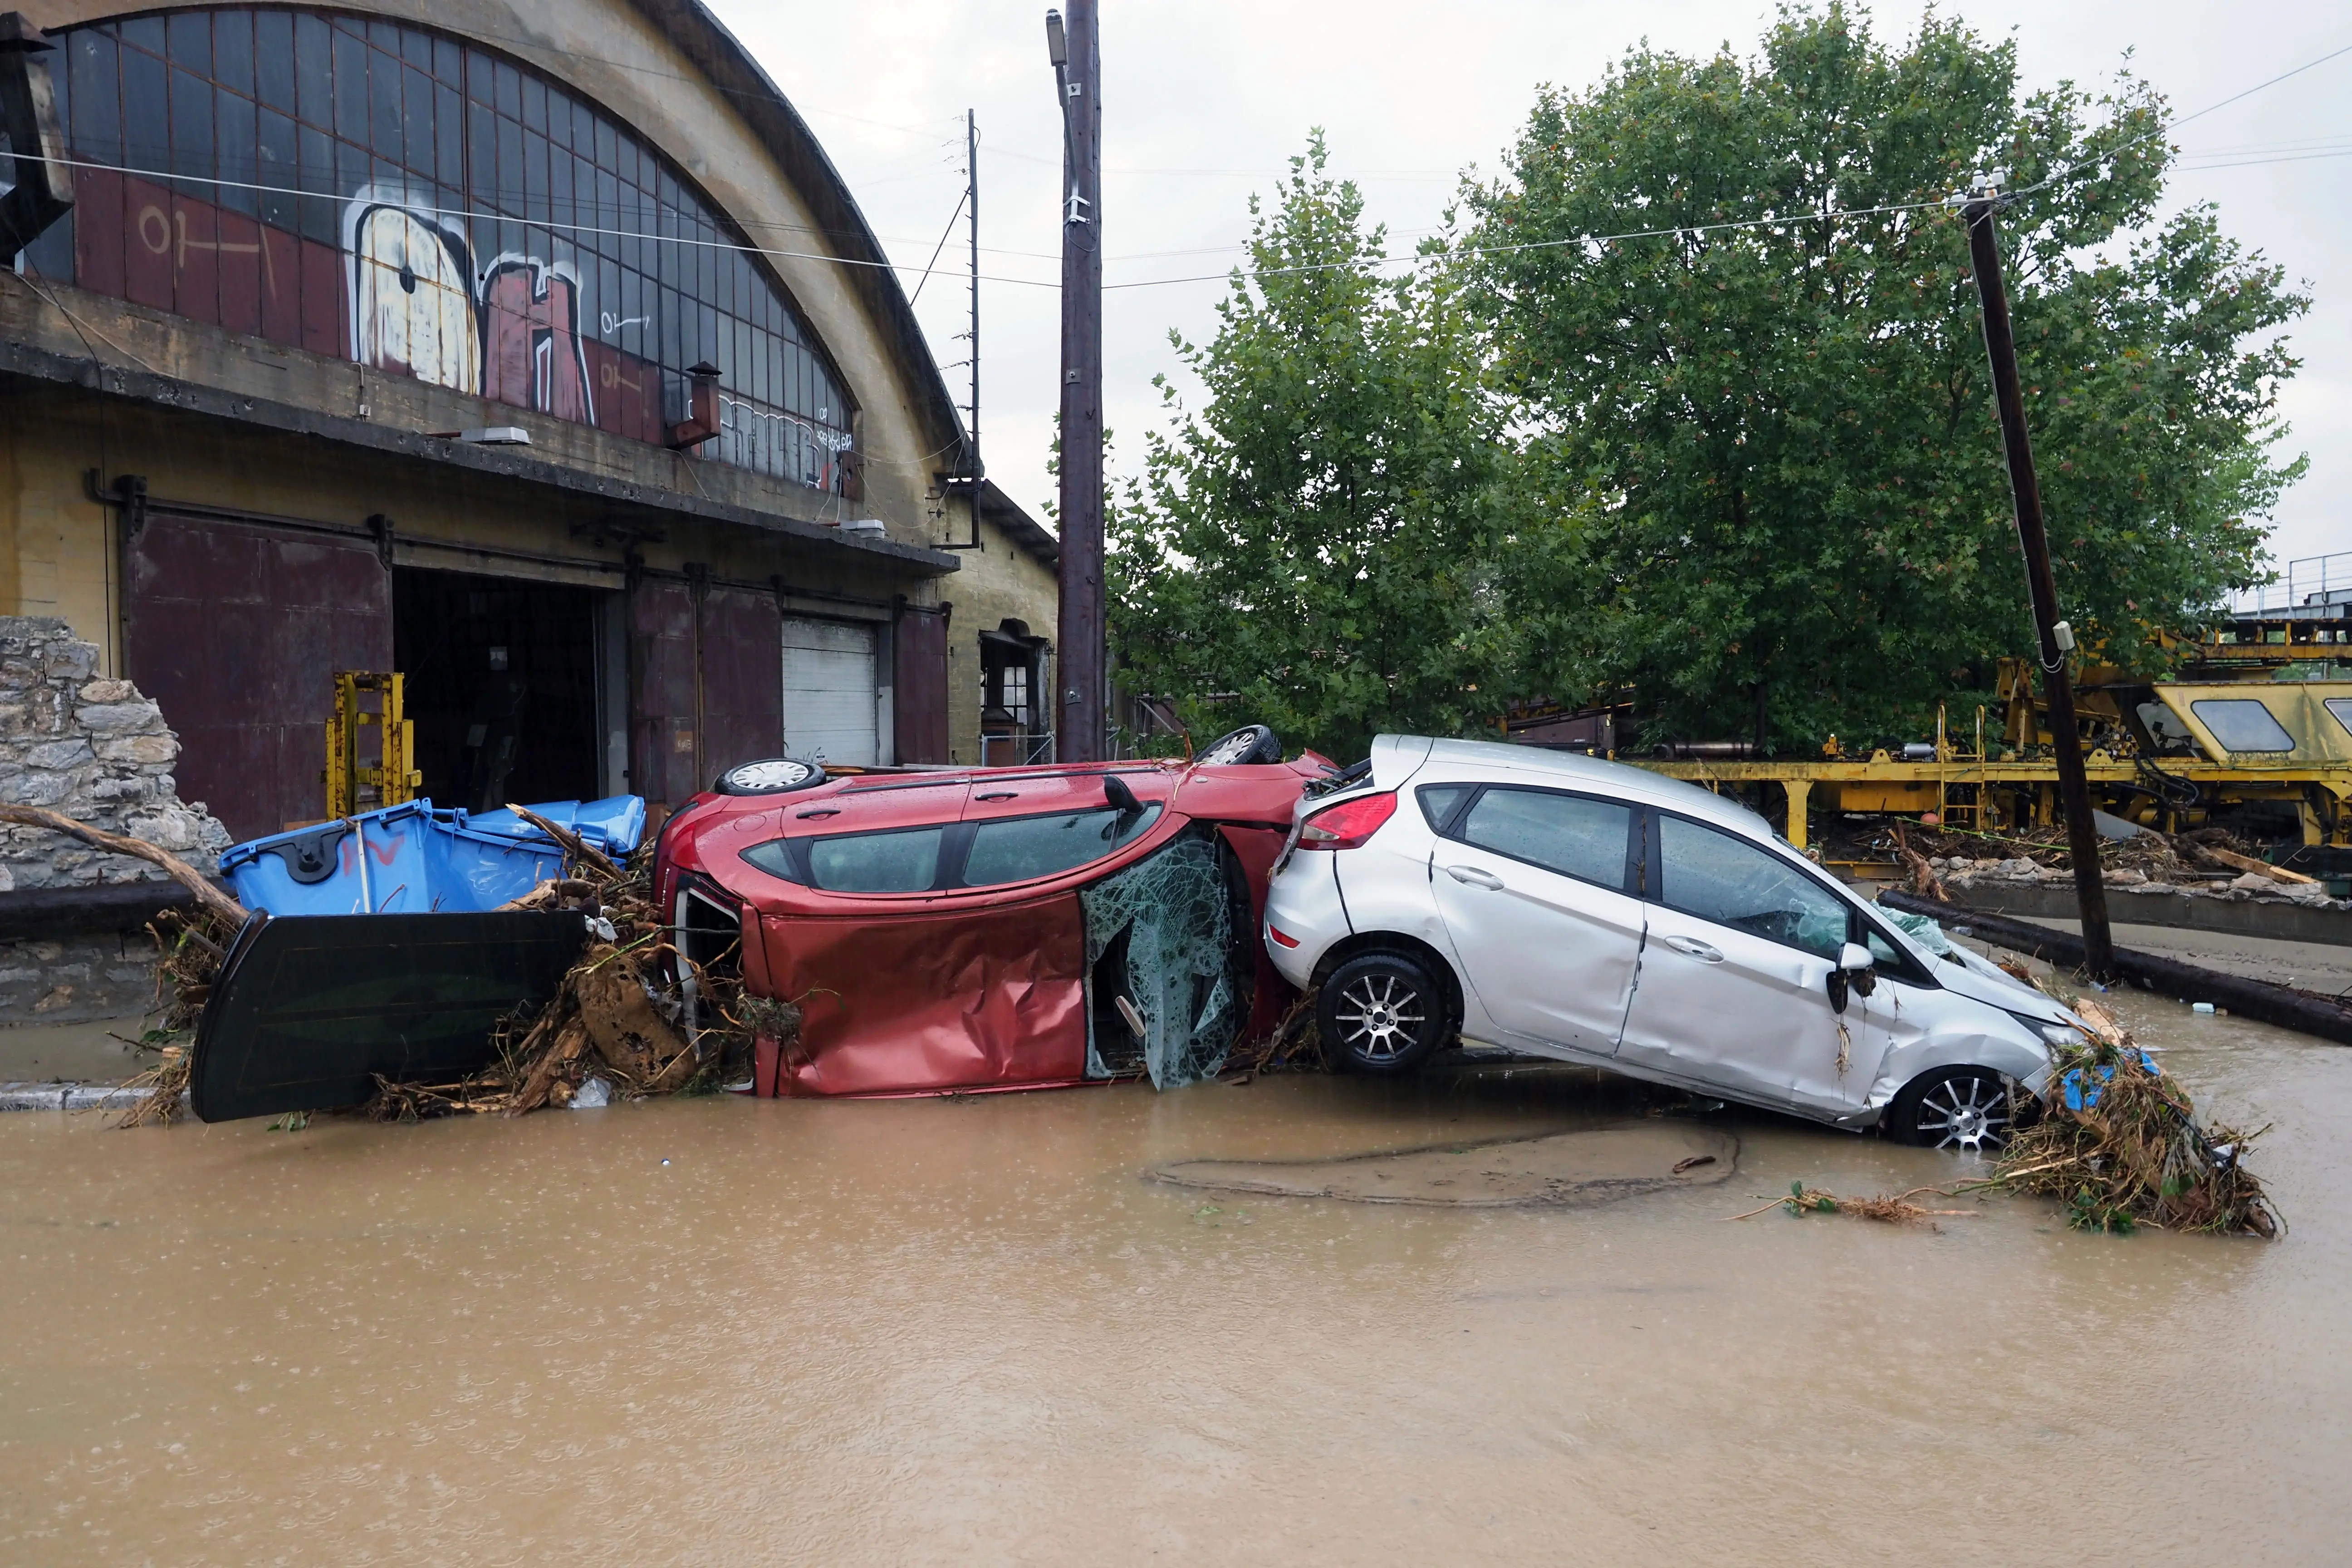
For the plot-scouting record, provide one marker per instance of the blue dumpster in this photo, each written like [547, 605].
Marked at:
[413, 860]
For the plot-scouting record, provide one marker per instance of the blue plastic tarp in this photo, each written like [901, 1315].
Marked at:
[413, 860]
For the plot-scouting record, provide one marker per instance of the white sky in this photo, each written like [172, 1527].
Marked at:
[1204, 100]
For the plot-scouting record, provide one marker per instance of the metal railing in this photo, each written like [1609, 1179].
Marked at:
[2306, 585]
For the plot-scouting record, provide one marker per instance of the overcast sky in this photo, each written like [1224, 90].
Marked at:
[1204, 100]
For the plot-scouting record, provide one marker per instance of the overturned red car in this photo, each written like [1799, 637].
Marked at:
[992, 928]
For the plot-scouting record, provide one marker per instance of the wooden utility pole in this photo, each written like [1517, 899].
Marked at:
[2057, 638]
[1082, 729]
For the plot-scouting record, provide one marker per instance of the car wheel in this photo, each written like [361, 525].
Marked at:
[1250, 744]
[1380, 1013]
[775, 775]
[1969, 1111]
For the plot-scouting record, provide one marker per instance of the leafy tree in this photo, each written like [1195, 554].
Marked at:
[1803, 507]
[1314, 547]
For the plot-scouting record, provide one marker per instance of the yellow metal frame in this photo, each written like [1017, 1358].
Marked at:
[2321, 793]
[391, 779]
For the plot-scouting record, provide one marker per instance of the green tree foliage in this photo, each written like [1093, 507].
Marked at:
[1313, 547]
[1788, 426]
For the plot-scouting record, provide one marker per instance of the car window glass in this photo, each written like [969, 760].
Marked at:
[902, 862]
[2342, 707]
[1438, 800]
[2242, 724]
[1881, 950]
[774, 857]
[1017, 848]
[1566, 833]
[1717, 878]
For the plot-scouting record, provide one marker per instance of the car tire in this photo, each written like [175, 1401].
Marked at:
[1381, 1014]
[1252, 743]
[1963, 1110]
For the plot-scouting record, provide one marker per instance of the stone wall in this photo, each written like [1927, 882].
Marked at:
[97, 751]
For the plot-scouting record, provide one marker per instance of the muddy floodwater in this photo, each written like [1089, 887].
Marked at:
[971, 1330]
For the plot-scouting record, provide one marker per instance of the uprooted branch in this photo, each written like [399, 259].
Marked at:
[209, 896]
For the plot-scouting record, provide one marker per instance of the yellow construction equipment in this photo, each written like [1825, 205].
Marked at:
[355, 783]
[2164, 754]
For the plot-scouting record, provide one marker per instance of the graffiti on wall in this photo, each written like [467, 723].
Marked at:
[508, 332]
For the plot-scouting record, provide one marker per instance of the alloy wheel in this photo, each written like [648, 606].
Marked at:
[1967, 1111]
[1380, 1016]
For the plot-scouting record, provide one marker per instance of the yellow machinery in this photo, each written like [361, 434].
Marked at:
[2166, 754]
[354, 783]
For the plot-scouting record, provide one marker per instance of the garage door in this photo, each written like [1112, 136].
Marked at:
[831, 682]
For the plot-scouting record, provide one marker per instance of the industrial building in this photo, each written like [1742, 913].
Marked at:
[535, 351]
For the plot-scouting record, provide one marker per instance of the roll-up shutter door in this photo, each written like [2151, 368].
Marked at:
[830, 686]
[235, 630]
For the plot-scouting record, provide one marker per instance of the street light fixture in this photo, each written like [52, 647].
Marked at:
[1057, 42]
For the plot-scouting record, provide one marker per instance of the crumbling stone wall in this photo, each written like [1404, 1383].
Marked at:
[99, 751]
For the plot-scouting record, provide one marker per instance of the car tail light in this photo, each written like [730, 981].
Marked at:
[1281, 937]
[1346, 825]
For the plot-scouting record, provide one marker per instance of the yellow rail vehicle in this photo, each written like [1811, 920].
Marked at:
[2164, 754]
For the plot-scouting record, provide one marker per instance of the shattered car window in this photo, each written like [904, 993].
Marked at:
[1717, 878]
[1017, 848]
[1566, 833]
[1161, 939]
[901, 862]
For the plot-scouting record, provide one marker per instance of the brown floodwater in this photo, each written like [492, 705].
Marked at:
[969, 1331]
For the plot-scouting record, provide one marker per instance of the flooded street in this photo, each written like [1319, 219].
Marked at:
[968, 1329]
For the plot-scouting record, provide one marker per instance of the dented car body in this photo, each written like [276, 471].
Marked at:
[988, 928]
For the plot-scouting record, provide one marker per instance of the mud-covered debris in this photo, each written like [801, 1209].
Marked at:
[2118, 1142]
[1896, 1210]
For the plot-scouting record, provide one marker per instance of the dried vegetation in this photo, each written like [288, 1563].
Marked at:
[2119, 1145]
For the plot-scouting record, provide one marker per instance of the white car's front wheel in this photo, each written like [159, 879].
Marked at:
[1965, 1109]
[1380, 1013]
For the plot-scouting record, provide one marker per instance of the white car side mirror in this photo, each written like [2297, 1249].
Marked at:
[1856, 971]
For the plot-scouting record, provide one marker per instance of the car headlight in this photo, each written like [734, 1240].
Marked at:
[2050, 1034]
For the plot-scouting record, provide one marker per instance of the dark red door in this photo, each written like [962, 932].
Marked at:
[235, 630]
[663, 737]
[918, 694]
[743, 679]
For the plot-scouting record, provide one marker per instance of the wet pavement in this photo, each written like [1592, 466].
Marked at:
[967, 1331]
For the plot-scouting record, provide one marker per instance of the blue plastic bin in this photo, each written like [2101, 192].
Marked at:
[418, 860]
[614, 825]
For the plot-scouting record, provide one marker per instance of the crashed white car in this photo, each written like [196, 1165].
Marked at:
[1596, 913]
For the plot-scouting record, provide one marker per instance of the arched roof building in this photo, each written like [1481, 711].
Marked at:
[534, 348]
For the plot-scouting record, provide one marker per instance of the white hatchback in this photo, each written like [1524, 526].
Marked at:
[1595, 912]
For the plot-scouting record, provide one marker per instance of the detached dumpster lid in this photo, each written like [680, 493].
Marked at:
[306, 1010]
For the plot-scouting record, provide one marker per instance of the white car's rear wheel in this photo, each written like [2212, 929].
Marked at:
[1380, 1013]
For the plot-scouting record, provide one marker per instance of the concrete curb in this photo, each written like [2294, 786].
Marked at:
[69, 1097]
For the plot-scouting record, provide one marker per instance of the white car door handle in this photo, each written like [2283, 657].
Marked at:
[1476, 878]
[1695, 949]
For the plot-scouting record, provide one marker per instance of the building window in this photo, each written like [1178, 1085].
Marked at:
[405, 200]
[1012, 729]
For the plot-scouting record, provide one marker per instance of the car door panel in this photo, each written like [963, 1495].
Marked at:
[1551, 957]
[1733, 989]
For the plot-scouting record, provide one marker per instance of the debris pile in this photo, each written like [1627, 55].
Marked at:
[2205, 862]
[618, 1028]
[2118, 1143]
